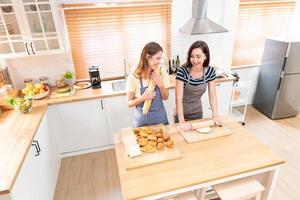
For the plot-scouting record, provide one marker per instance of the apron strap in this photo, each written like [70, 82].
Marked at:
[141, 83]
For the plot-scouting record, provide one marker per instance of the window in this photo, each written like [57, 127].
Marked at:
[105, 36]
[256, 21]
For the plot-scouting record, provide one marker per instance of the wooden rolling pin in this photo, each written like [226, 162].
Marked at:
[197, 125]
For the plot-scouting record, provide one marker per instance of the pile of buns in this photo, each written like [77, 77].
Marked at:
[151, 139]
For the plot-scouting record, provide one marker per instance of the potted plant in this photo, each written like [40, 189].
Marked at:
[70, 77]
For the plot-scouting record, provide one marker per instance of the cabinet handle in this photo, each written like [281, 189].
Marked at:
[27, 48]
[218, 84]
[35, 144]
[102, 104]
[32, 48]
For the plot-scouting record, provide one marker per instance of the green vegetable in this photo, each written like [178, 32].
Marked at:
[69, 75]
[23, 104]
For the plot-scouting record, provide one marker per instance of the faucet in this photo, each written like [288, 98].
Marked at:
[126, 69]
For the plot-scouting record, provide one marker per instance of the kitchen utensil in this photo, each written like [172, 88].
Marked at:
[67, 93]
[195, 136]
[95, 77]
[82, 85]
[202, 124]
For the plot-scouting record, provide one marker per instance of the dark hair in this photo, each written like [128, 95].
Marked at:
[151, 49]
[204, 47]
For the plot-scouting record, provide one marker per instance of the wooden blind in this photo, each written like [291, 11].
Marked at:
[256, 21]
[106, 36]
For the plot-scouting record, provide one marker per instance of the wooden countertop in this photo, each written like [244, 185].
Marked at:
[17, 130]
[201, 162]
[16, 133]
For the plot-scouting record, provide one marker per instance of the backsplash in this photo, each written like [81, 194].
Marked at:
[52, 66]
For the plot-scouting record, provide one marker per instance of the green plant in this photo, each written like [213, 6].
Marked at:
[69, 75]
[20, 103]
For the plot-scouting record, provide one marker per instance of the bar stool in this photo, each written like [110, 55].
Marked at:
[242, 189]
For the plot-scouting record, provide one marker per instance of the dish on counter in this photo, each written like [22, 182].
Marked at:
[82, 85]
[204, 130]
[42, 94]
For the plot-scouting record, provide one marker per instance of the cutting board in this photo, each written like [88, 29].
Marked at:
[195, 136]
[146, 159]
[65, 94]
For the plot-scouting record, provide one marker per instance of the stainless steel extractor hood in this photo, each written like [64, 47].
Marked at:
[199, 23]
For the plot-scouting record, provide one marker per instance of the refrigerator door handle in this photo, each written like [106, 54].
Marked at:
[284, 64]
[278, 87]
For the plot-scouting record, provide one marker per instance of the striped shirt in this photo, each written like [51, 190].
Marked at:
[183, 73]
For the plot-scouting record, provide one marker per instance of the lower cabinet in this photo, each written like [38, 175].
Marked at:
[39, 172]
[84, 125]
[118, 114]
[170, 106]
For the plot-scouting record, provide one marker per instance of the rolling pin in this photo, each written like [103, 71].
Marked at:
[203, 124]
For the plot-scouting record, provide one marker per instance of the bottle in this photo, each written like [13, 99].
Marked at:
[177, 62]
[170, 68]
[174, 66]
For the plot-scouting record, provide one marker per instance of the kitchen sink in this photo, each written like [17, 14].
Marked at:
[119, 85]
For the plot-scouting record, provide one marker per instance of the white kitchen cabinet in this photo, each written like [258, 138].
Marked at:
[39, 172]
[84, 125]
[170, 105]
[29, 27]
[118, 114]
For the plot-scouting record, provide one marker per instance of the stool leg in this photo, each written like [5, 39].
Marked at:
[200, 194]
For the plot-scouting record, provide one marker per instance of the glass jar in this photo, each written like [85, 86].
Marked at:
[44, 80]
[28, 80]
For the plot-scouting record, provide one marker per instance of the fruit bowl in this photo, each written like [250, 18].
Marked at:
[42, 95]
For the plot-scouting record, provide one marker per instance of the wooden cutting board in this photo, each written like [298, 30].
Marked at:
[146, 159]
[195, 136]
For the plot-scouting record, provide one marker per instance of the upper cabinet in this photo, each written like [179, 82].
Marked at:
[29, 27]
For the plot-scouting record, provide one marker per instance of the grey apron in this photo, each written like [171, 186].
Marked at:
[156, 114]
[192, 105]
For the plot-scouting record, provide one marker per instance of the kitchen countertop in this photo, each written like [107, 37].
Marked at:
[105, 91]
[201, 162]
[17, 130]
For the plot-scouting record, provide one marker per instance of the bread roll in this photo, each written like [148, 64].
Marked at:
[151, 88]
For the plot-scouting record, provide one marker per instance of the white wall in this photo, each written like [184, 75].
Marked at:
[52, 66]
[224, 13]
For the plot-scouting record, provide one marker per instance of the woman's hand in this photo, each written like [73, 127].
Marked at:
[157, 79]
[148, 95]
[185, 126]
[217, 120]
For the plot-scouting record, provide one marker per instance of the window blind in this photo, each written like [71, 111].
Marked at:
[105, 36]
[256, 21]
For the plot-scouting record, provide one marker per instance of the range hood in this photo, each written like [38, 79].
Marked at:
[199, 23]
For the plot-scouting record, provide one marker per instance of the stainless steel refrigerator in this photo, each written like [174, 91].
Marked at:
[278, 89]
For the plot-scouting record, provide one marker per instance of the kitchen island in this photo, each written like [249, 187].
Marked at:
[203, 164]
[18, 132]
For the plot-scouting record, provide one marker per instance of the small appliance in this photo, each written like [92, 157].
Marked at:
[95, 77]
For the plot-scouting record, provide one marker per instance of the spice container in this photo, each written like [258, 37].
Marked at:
[28, 80]
[44, 80]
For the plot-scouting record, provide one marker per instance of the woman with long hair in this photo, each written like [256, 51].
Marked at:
[148, 70]
[192, 79]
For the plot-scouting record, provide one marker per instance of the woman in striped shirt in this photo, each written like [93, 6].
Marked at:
[192, 79]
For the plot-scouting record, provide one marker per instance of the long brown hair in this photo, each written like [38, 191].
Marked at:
[204, 47]
[151, 49]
